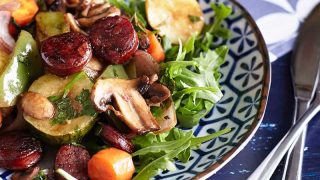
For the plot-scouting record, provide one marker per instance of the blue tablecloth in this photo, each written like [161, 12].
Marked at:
[279, 21]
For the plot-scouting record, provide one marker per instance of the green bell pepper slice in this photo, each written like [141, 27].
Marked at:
[23, 67]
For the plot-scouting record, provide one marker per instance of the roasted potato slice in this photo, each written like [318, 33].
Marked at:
[175, 19]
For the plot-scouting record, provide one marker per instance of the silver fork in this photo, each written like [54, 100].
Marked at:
[270, 163]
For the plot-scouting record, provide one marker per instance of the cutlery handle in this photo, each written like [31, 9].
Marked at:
[270, 163]
[294, 157]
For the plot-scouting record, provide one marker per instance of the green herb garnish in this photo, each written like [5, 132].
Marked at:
[194, 19]
[41, 175]
[84, 99]
[65, 109]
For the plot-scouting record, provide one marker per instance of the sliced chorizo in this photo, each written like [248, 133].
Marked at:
[19, 150]
[113, 39]
[67, 53]
[116, 139]
[74, 160]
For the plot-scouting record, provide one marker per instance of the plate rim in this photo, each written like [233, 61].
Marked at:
[212, 169]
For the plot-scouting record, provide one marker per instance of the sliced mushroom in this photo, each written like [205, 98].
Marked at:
[129, 104]
[144, 64]
[157, 93]
[167, 119]
[94, 68]
[88, 21]
[98, 9]
[37, 106]
[73, 23]
[145, 82]
[85, 7]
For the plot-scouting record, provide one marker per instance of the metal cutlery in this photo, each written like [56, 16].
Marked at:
[270, 163]
[305, 75]
[304, 71]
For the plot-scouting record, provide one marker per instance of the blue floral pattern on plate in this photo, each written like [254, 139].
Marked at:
[245, 84]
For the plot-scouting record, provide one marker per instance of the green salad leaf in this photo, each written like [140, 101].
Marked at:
[194, 83]
[157, 152]
[210, 31]
[192, 70]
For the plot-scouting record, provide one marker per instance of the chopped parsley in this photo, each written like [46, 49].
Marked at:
[84, 99]
[194, 19]
[65, 109]
[42, 175]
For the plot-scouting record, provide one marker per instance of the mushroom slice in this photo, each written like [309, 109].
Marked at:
[167, 119]
[37, 106]
[144, 64]
[157, 93]
[73, 23]
[129, 104]
[88, 21]
[98, 9]
[94, 68]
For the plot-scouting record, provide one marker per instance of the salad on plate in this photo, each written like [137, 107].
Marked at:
[115, 85]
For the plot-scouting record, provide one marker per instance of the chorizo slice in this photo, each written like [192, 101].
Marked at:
[67, 53]
[113, 39]
[74, 160]
[19, 150]
[116, 139]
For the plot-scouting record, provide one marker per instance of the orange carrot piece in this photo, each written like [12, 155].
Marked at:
[155, 48]
[111, 164]
[24, 14]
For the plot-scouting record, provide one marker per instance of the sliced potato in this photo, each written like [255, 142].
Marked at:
[175, 19]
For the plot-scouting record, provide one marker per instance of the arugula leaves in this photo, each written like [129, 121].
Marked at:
[194, 84]
[157, 152]
[192, 73]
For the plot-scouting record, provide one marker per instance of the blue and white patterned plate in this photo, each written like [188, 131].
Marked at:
[245, 82]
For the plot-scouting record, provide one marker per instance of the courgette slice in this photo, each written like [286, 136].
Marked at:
[175, 19]
[74, 129]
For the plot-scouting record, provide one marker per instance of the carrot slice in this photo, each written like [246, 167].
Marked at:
[155, 48]
[111, 164]
[24, 14]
